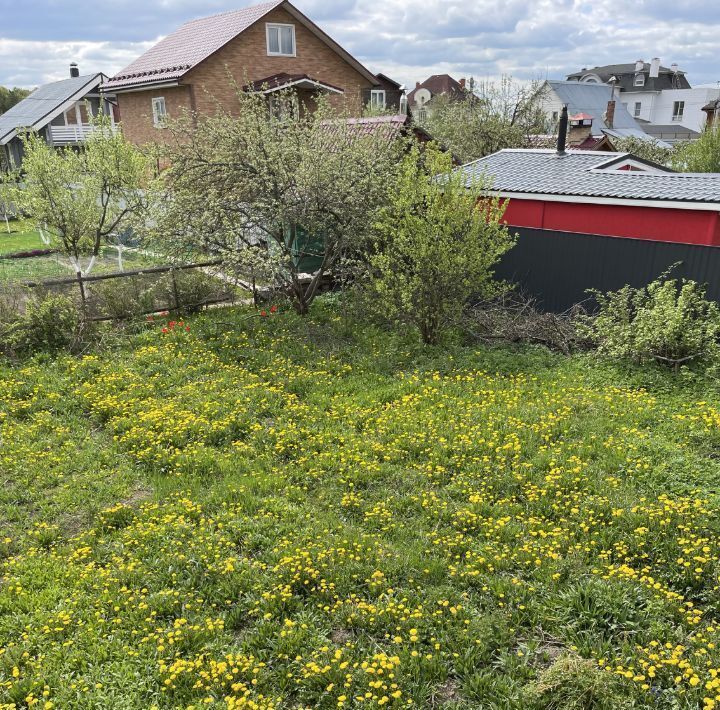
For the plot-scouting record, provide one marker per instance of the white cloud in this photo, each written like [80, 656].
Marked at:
[406, 39]
[28, 64]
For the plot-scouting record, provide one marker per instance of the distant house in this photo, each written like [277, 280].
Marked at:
[387, 95]
[609, 117]
[266, 47]
[657, 95]
[611, 194]
[420, 99]
[59, 111]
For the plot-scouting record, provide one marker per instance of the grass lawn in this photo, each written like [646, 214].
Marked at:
[277, 512]
[24, 238]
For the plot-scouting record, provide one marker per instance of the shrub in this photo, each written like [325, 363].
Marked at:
[436, 245]
[189, 290]
[669, 321]
[121, 298]
[47, 323]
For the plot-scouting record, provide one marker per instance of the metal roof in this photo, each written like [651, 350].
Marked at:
[195, 41]
[583, 174]
[593, 99]
[43, 104]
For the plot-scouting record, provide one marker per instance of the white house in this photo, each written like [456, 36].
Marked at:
[659, 97]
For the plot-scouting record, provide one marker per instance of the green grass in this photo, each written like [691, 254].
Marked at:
[312, 513]
[24, 238]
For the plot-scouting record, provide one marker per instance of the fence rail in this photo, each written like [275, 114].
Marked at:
[149, 290]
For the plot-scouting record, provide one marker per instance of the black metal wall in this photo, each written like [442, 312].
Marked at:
[558, 267]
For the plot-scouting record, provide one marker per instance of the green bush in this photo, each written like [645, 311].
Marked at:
[669, 321]
[122, 298]
[47, 323]
[188, 291]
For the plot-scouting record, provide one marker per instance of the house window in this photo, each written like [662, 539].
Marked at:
[280, 40]
[638, 108]
[159, 111]
[555, 116]
[422, 114]
[639, 79]
[678, 110]
[377, 98]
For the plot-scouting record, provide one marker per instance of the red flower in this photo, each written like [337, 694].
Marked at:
[263, 314]
[172, 323]
[164, 330]
[273, 309]
[187, 327]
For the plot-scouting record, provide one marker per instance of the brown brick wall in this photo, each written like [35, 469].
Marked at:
[136, 112]
[244, 58]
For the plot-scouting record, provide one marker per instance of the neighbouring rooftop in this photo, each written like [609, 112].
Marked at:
[590, 174]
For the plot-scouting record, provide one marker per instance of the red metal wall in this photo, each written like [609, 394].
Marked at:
[663, 225]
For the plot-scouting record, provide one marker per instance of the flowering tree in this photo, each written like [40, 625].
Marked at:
[279, 194]
[438, 241]
[82, 197]
[488, 117]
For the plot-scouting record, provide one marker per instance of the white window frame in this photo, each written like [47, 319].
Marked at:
[677, 116]
[637, 110]
[377, 98]
[278, 26]
[159, 117]
[640, 79]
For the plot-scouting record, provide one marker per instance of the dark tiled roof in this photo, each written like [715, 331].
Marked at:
[625, 74]
[438, 84]
[41, 106]
[189, 45]
[543, 172]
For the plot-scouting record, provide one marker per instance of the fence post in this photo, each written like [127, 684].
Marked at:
[175, 289]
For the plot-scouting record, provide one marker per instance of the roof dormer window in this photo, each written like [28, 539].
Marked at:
[280, 40]
[639, 79]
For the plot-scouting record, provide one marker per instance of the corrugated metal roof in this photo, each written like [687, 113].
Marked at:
[189, 45]
[577, 173]
[41, 106]
[593, 99]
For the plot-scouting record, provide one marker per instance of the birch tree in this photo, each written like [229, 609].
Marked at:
[278, 194]
[81, 197]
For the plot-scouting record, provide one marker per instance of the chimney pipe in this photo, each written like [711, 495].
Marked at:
[640, 65]
[417, 84]
[462, 83]
[562, 131]
[655, 68]
[610, 113]
[74, 71]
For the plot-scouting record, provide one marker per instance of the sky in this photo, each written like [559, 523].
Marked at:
[406, 39]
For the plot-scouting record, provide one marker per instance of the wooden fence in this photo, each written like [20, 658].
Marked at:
[213, 289]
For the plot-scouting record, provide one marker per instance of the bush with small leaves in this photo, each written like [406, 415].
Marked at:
[669, 321]
[121, 299]
[48, 323]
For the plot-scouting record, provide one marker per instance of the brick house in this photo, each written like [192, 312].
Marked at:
[265, 47]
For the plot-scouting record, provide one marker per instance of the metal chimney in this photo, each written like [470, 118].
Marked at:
[655, 68]
[74, 71]
[562, 131]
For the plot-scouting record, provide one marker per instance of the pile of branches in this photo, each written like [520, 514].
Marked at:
[514, 318]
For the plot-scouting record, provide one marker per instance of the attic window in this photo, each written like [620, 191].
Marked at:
[639, 79]
[280, 40]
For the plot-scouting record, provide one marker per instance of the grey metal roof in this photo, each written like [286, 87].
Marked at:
[43, 104]
[593, 99]
[578, 173]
